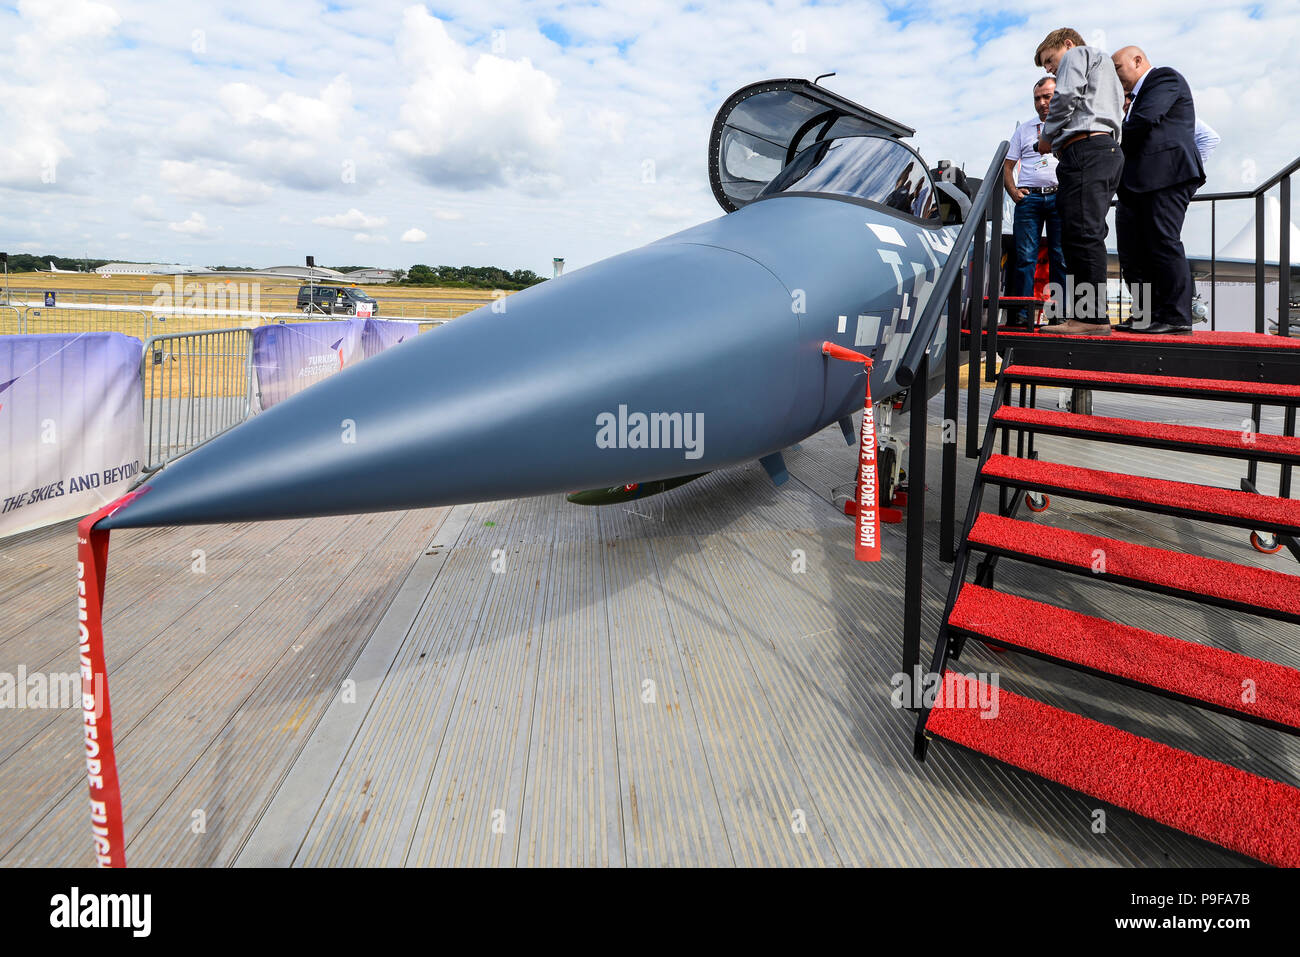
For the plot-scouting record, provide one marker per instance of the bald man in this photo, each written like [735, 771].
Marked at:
[1162, 170]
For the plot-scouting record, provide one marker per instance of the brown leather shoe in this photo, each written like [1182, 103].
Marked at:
[1073, 327]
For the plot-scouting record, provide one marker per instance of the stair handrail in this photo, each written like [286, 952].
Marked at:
[1263, 187]
[1281, 179]
[913, 373]
[928, 324]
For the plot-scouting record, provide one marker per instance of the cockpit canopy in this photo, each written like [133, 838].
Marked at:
[761, 127]
[875, 169]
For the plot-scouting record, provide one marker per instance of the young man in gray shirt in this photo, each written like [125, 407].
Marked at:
[1083, 128]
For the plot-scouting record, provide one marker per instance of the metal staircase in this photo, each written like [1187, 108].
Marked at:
[1249, 813]
[1242, 811]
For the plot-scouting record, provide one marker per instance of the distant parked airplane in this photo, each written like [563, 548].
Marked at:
[54, 268]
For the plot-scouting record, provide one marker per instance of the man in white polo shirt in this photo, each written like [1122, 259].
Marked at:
[1034, 193]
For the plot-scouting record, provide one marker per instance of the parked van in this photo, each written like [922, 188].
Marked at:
[336, 301]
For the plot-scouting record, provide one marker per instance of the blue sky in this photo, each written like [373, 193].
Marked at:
[507, 132]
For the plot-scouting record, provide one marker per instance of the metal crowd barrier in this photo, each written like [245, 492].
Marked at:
[144, 321]
[197, 385]
[198, 381]
[42, 319]
[12, 321]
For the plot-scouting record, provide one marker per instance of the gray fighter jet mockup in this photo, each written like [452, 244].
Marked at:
[696, 352]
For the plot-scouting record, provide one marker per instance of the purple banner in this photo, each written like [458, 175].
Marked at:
[381, 334]
[71, 425]
[288, 358]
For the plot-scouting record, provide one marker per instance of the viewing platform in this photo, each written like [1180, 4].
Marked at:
[701, 678]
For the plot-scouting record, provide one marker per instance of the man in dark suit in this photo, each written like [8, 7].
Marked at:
[1162, 170]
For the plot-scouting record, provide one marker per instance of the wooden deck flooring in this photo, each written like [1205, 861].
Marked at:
[534, 683]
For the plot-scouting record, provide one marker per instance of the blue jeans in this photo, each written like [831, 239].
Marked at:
[1031, 214]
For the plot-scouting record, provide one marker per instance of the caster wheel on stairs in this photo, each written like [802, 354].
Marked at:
[1037, 501]
[1265, 542]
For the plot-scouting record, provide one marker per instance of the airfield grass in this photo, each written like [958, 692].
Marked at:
[136, 284]
[275, 295]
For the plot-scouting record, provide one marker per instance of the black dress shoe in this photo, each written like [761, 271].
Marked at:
[1164, 328]
[1124, 326]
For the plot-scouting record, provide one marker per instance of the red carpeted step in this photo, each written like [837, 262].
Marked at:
[1176, 385]
[1157, 495]
[1184, 669]
[1229, 440]
[1238, 340]
[1215, 802]
[1195, 577]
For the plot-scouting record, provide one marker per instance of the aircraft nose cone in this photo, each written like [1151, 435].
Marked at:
[497, 405]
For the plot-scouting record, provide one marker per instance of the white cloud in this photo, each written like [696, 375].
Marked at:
[414, 235]
[369, 238]
[609, 122]
[146, 208]
[305, 105]
[290, 113]
[193, 182]
[468, 124]
[670, 212]
[196, 224]
[308, 142]
[52, 97]
[352, 219]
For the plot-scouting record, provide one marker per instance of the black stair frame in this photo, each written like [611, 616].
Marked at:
[1155, 356]
[1178, 356]
[943, 646]
[1184, 359]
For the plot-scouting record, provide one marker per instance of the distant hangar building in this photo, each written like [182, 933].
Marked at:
[141, 269]
[316, 273]
[371, 275]
[299, 273]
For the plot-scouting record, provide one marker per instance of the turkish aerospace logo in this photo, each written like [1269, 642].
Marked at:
[5, 385]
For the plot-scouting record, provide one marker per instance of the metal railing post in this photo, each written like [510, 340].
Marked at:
[1284, 309]
[952, 363]
[1284, 258]
[1260, 256]
[914, 586]
[1214, 261]
[975, 355]
[995, 281]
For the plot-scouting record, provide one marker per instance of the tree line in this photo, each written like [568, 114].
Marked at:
[469, 277]
[472, 277]
[26, 262]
